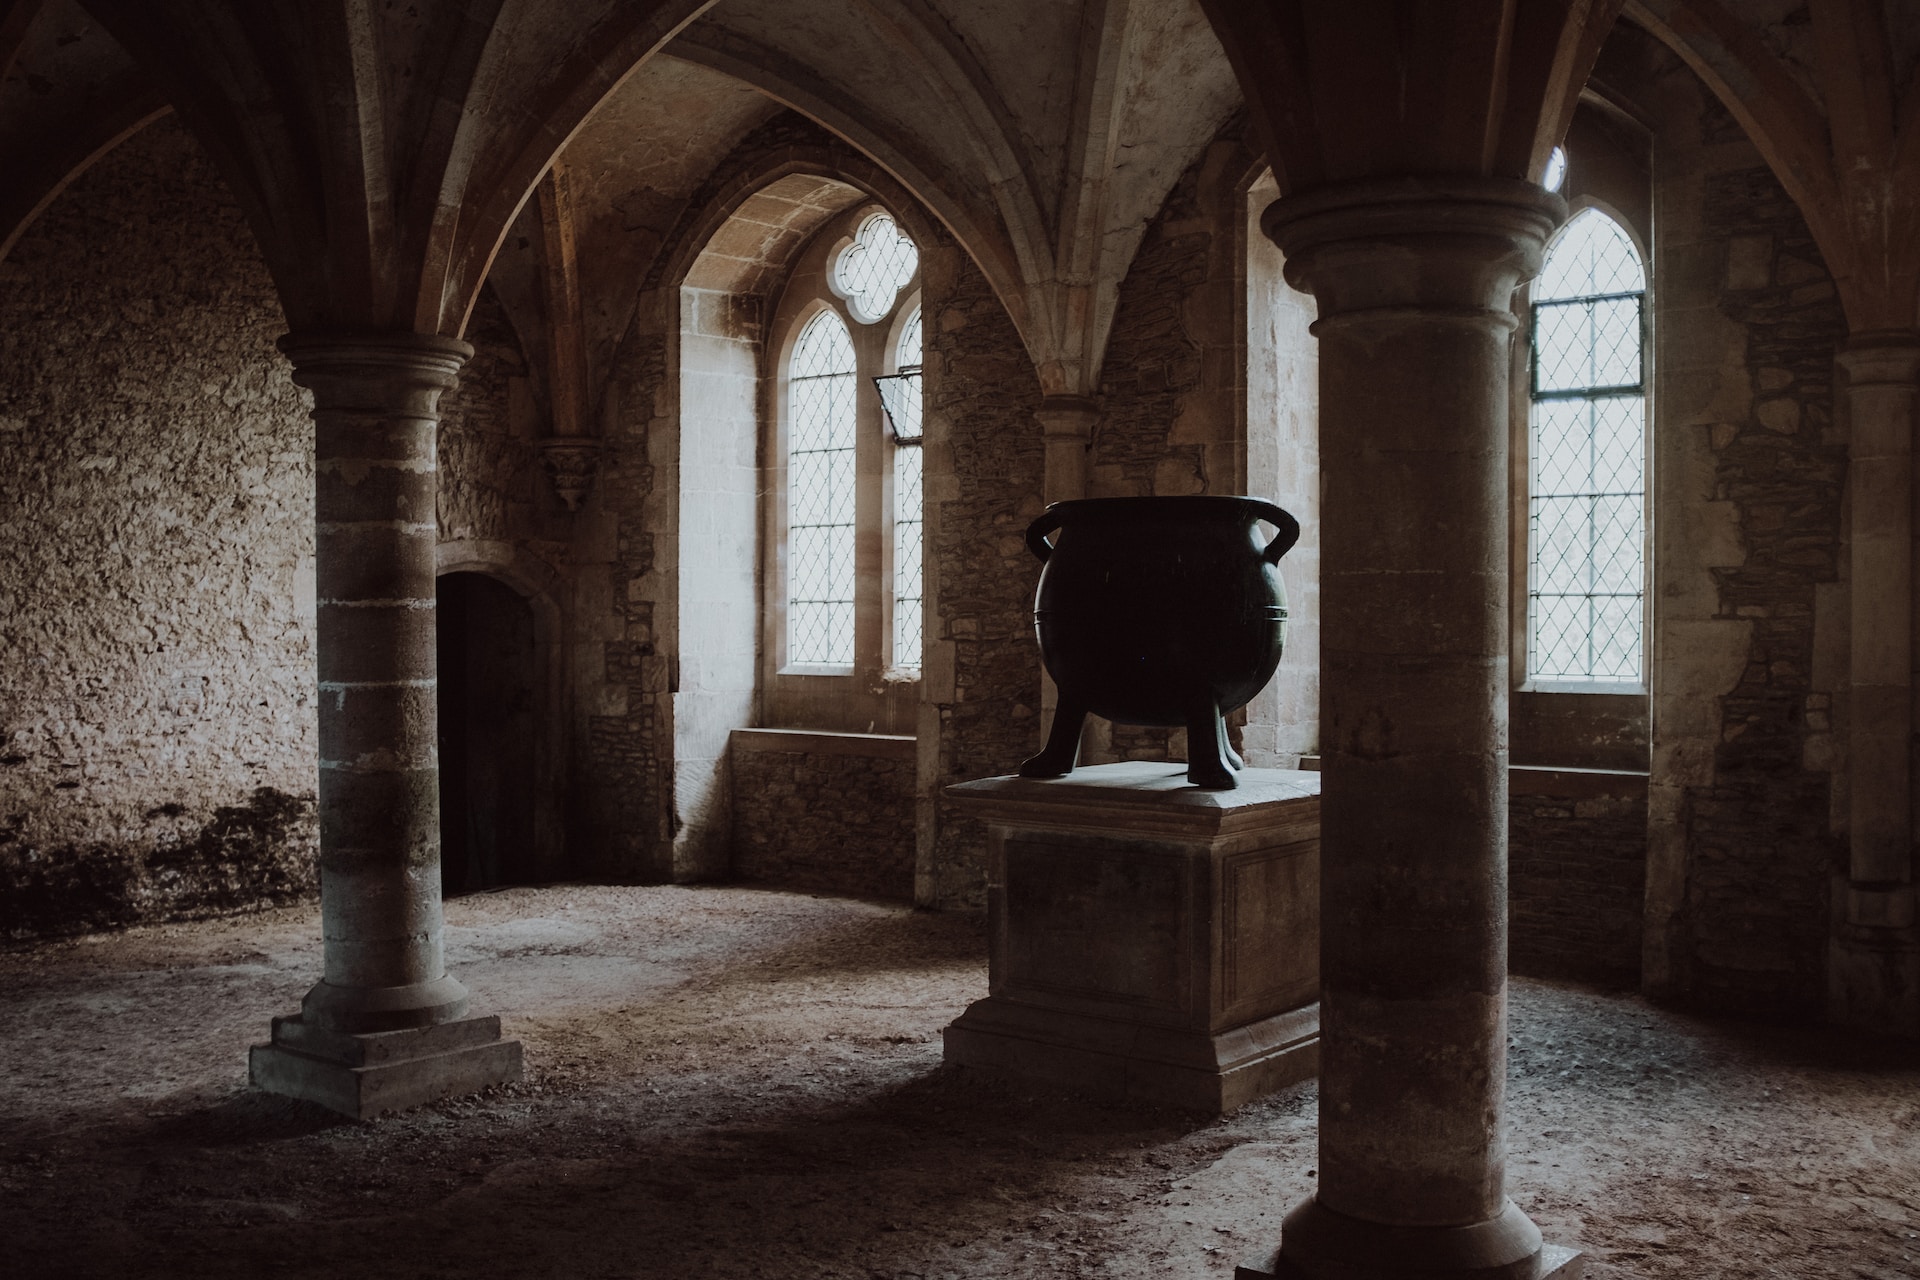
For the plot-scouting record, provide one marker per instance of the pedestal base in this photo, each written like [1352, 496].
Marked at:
[1553, 1262]
[1130, 1062]
[368, 1075]
[1147, 939]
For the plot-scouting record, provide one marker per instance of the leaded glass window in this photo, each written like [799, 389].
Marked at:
[1587, 485]
[871, 272]
[820, 495]
[902, 398]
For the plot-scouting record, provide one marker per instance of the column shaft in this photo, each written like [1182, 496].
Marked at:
[1066, 425]
[1414, 281]
[375, 414]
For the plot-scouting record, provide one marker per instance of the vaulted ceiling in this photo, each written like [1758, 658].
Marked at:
[383, 151]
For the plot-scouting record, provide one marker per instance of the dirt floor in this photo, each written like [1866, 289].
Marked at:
[732, 1082]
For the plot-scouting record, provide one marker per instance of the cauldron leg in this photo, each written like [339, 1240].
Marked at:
[1062, 752]
[1207, 749]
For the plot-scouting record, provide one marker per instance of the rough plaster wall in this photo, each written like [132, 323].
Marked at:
[1576, 882]
[980, 688]
[156, 575]
[719, 591]
[840, 822]
[1748, 472]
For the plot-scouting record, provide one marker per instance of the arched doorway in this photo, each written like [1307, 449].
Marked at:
[488, 729]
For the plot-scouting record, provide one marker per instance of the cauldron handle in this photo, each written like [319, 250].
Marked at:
[1045, 523]
[1288, 527]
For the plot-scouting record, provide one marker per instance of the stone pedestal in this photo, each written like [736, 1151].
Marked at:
[1149, 940]
[373, 1073]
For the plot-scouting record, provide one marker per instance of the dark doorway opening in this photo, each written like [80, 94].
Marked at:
[487, 732]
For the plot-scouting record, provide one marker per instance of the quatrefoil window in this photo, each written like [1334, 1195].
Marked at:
[871, 272]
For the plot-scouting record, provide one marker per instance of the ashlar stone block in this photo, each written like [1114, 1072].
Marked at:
[1148, 939]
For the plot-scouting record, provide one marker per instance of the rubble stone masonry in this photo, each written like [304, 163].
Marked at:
[828, 812]
[157, 722]
[985, 468]
[1761, 843]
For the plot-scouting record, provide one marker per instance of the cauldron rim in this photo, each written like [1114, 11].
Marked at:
[1185, 505]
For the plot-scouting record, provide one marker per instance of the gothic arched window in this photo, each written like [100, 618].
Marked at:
[1586, 573]
[846, 600]
[820, 495]
[900, 397]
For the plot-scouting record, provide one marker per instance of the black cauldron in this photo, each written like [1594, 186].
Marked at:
[1159, 611]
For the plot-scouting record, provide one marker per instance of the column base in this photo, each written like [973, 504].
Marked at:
[1320, 1244]
[1553, 1262]
[1136, 1062]
[359, 1010]
[374, 1073]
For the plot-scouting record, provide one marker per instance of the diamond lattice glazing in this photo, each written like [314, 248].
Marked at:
[871, 272]
[908, 595]
[908, 456]
[1592, 255]
[820, 495]
[1587, 572]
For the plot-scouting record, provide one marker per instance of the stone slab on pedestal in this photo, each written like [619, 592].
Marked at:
[1149, 940]
[370, 1074]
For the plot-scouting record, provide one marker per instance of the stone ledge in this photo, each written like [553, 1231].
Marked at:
[1556, 780]
[1147, 798]
[885, 746]
[1576, 784]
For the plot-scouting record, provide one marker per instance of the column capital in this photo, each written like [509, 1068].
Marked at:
[376, 372]
[1881, 357]
[1415, 246]
[1068, 416]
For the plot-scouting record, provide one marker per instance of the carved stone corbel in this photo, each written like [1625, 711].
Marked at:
[571, 464]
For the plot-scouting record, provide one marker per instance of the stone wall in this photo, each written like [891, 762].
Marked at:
[1576, 873]
[1189, 405]
[830, 812]
[1761, 841]
[1167, 423]
[1749, 608]
[623, 830]
[490, 484]
[984, 471]
[157, 727]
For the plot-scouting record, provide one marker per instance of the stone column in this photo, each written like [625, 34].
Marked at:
[1874, 974]
[1414, 281]
[1066, 424]
[375, 414]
